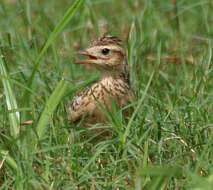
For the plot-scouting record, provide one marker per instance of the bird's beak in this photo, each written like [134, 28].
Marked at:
[92, 59]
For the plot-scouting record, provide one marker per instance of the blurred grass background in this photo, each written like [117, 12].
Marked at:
[169, 144]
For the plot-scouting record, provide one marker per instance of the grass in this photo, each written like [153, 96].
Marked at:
[166, 144]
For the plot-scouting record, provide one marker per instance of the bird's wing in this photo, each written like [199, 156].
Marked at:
[81, 105]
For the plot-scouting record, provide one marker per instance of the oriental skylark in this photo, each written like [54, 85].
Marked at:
[108, 56]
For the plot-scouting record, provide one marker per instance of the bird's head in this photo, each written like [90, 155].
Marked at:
[106, 54]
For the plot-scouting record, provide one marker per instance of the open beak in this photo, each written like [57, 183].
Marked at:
[92, 59]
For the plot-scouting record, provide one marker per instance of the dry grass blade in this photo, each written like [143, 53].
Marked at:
[7, 158]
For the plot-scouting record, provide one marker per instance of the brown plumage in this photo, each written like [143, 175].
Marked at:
[107, 55]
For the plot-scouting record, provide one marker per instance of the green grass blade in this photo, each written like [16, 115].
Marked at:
[9, 160]
[14, 117]
[126, 133]
[63, 22]
[50, 106]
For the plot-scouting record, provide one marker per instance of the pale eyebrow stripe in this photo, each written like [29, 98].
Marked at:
[112, 47]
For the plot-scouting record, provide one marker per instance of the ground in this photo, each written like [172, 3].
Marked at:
[167, 141]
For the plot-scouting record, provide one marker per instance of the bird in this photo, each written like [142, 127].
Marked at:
[109, 57]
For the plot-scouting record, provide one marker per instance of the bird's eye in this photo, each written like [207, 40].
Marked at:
[105, 51]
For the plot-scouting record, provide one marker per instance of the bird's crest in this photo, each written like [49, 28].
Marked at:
[107, 40]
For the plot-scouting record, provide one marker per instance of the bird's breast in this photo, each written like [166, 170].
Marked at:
[102, 93]
[110, 87]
